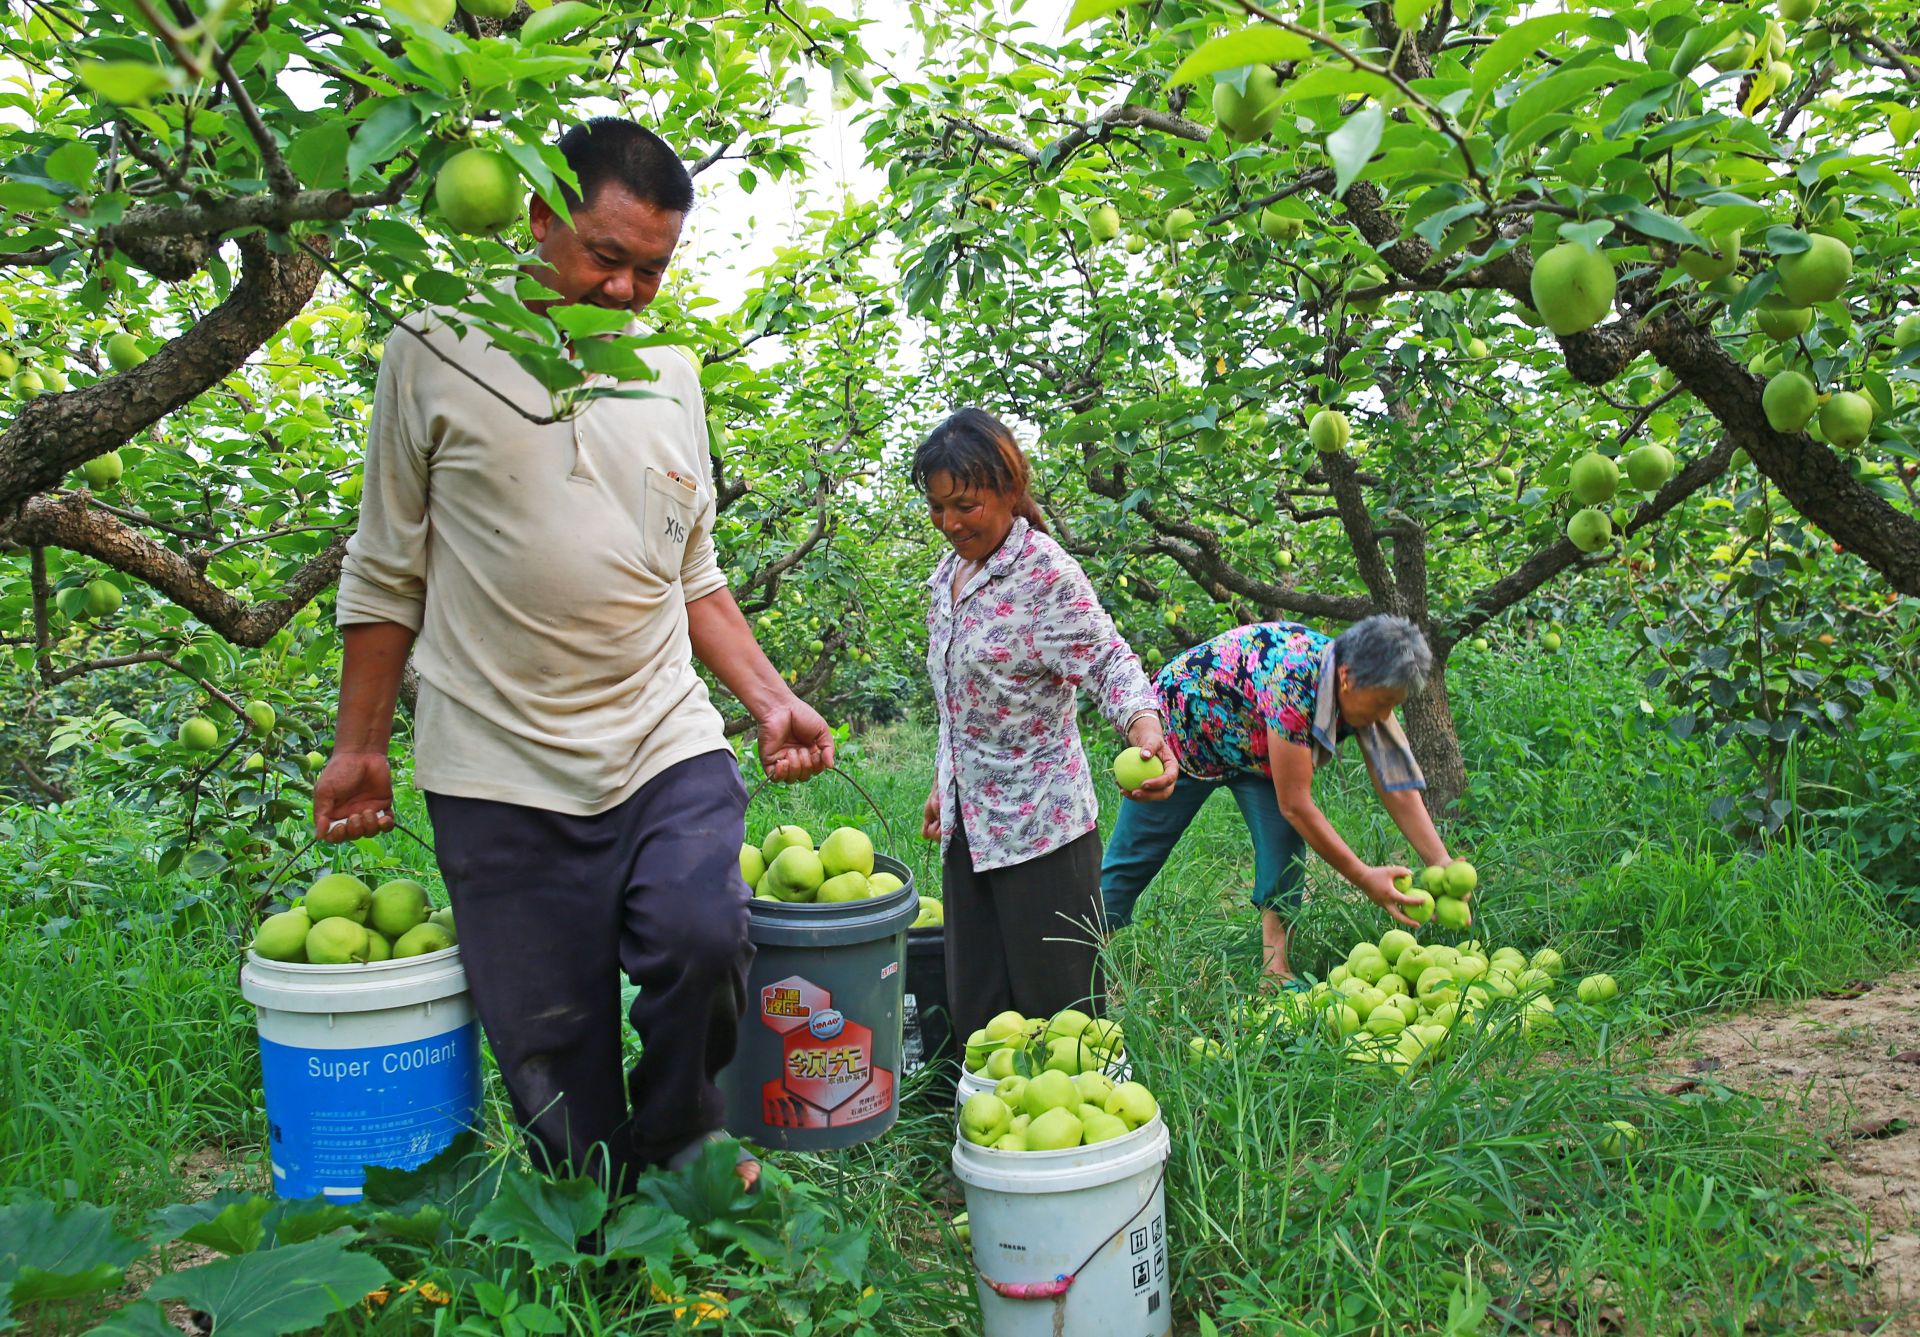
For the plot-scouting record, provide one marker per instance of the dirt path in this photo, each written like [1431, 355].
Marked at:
[1849, 1064]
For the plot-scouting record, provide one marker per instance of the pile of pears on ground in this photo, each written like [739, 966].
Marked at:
[343, 922]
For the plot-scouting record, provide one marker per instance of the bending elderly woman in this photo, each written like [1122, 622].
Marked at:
[1256, 711]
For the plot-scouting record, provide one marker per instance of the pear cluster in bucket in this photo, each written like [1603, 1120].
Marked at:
[786, 866]
[1070, 1042]
[343, 922]
[1401, 1002]
[1053, 1090]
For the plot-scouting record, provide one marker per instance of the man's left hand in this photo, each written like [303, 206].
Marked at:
[795, 742]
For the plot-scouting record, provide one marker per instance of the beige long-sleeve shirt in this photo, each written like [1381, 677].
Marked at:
[547, 570]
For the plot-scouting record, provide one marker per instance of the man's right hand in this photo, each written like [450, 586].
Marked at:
[930, 817]
[1377, 883]
[353, 797]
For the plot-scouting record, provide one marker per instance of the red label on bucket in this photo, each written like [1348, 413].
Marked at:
[827, 1075]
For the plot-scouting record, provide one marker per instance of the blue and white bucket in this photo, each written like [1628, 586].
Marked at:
[375, 1064]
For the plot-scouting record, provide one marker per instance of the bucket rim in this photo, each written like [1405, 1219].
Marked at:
[312, 969]
[1055, 1171]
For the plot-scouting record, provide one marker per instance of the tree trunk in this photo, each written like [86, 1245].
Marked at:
[1429, 724]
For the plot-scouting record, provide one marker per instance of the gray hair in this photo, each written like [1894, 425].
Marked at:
[1385, 651]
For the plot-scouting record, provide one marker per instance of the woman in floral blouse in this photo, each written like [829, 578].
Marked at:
[1014, 630]
[1255, 711]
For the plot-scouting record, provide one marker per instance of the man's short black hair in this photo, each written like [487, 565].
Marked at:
[608, 149]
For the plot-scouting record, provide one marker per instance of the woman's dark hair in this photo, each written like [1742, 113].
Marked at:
[976, 450]
[608, 148]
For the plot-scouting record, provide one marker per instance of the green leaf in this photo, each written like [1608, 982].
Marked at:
[44, 1256]
[1408, 13]
[386, 128]
[1592, 233]
[581, 321]
[145, 1319]
[440, 288]
[124, 81]
[1651, 224]
[205, 863]
[1788, 241]
[309, 1223]
[643, 1230]
[237, 1228]
[545, 1217]
[1339, 81]
[422, 1227]
[275, 1291]
[1515, 45]
[73, 163]
[319, 156]
[1353, 144]
[1086, 11]
[1250, 46]
[557, 21]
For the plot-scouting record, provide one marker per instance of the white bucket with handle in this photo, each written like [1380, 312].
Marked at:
[1071, 1243]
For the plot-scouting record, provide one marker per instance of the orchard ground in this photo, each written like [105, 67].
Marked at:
[1758, 1043]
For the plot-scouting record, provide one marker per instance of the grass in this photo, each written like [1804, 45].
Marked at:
[1307, 1194]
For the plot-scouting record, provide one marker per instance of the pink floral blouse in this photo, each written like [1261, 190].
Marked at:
[1006, 659]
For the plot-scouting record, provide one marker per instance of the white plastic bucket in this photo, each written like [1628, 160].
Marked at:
[970, 1084]
[374, 1064]
[1071, 1243]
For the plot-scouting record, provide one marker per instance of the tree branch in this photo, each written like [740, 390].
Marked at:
[70, 522]
[1557, 556]
[54, 434]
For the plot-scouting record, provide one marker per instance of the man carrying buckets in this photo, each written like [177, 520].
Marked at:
[556, 582]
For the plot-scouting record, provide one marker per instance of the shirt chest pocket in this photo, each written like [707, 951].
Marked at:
[672, 505]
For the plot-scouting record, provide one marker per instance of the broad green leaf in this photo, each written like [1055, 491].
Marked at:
[548, 1218]
[1340, 81]
[124, 81]
[1592, 233]
[1787, 241]
[73, 163]
[643, 1230]
[275, 1291]
[581, 321]
[237, 1228]
[1409, 13]
[145, 1319]
[49, 1256]
[319, 156]
[1651, 224]
[1553, 93]
[1516, 45]
[1086, 11]
[389, 126]
[1250, 46]
[309, 1222]
[1353, 144]
[422, 1227]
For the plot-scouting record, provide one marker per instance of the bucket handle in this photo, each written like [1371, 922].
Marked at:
[879, 812]
[313, 840]
[1057, 1288]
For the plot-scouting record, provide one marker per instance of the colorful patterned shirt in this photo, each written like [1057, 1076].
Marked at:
[1006, 659]
[1222, 696]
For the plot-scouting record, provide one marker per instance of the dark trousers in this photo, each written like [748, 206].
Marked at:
[550, 908]
[1024, 937]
